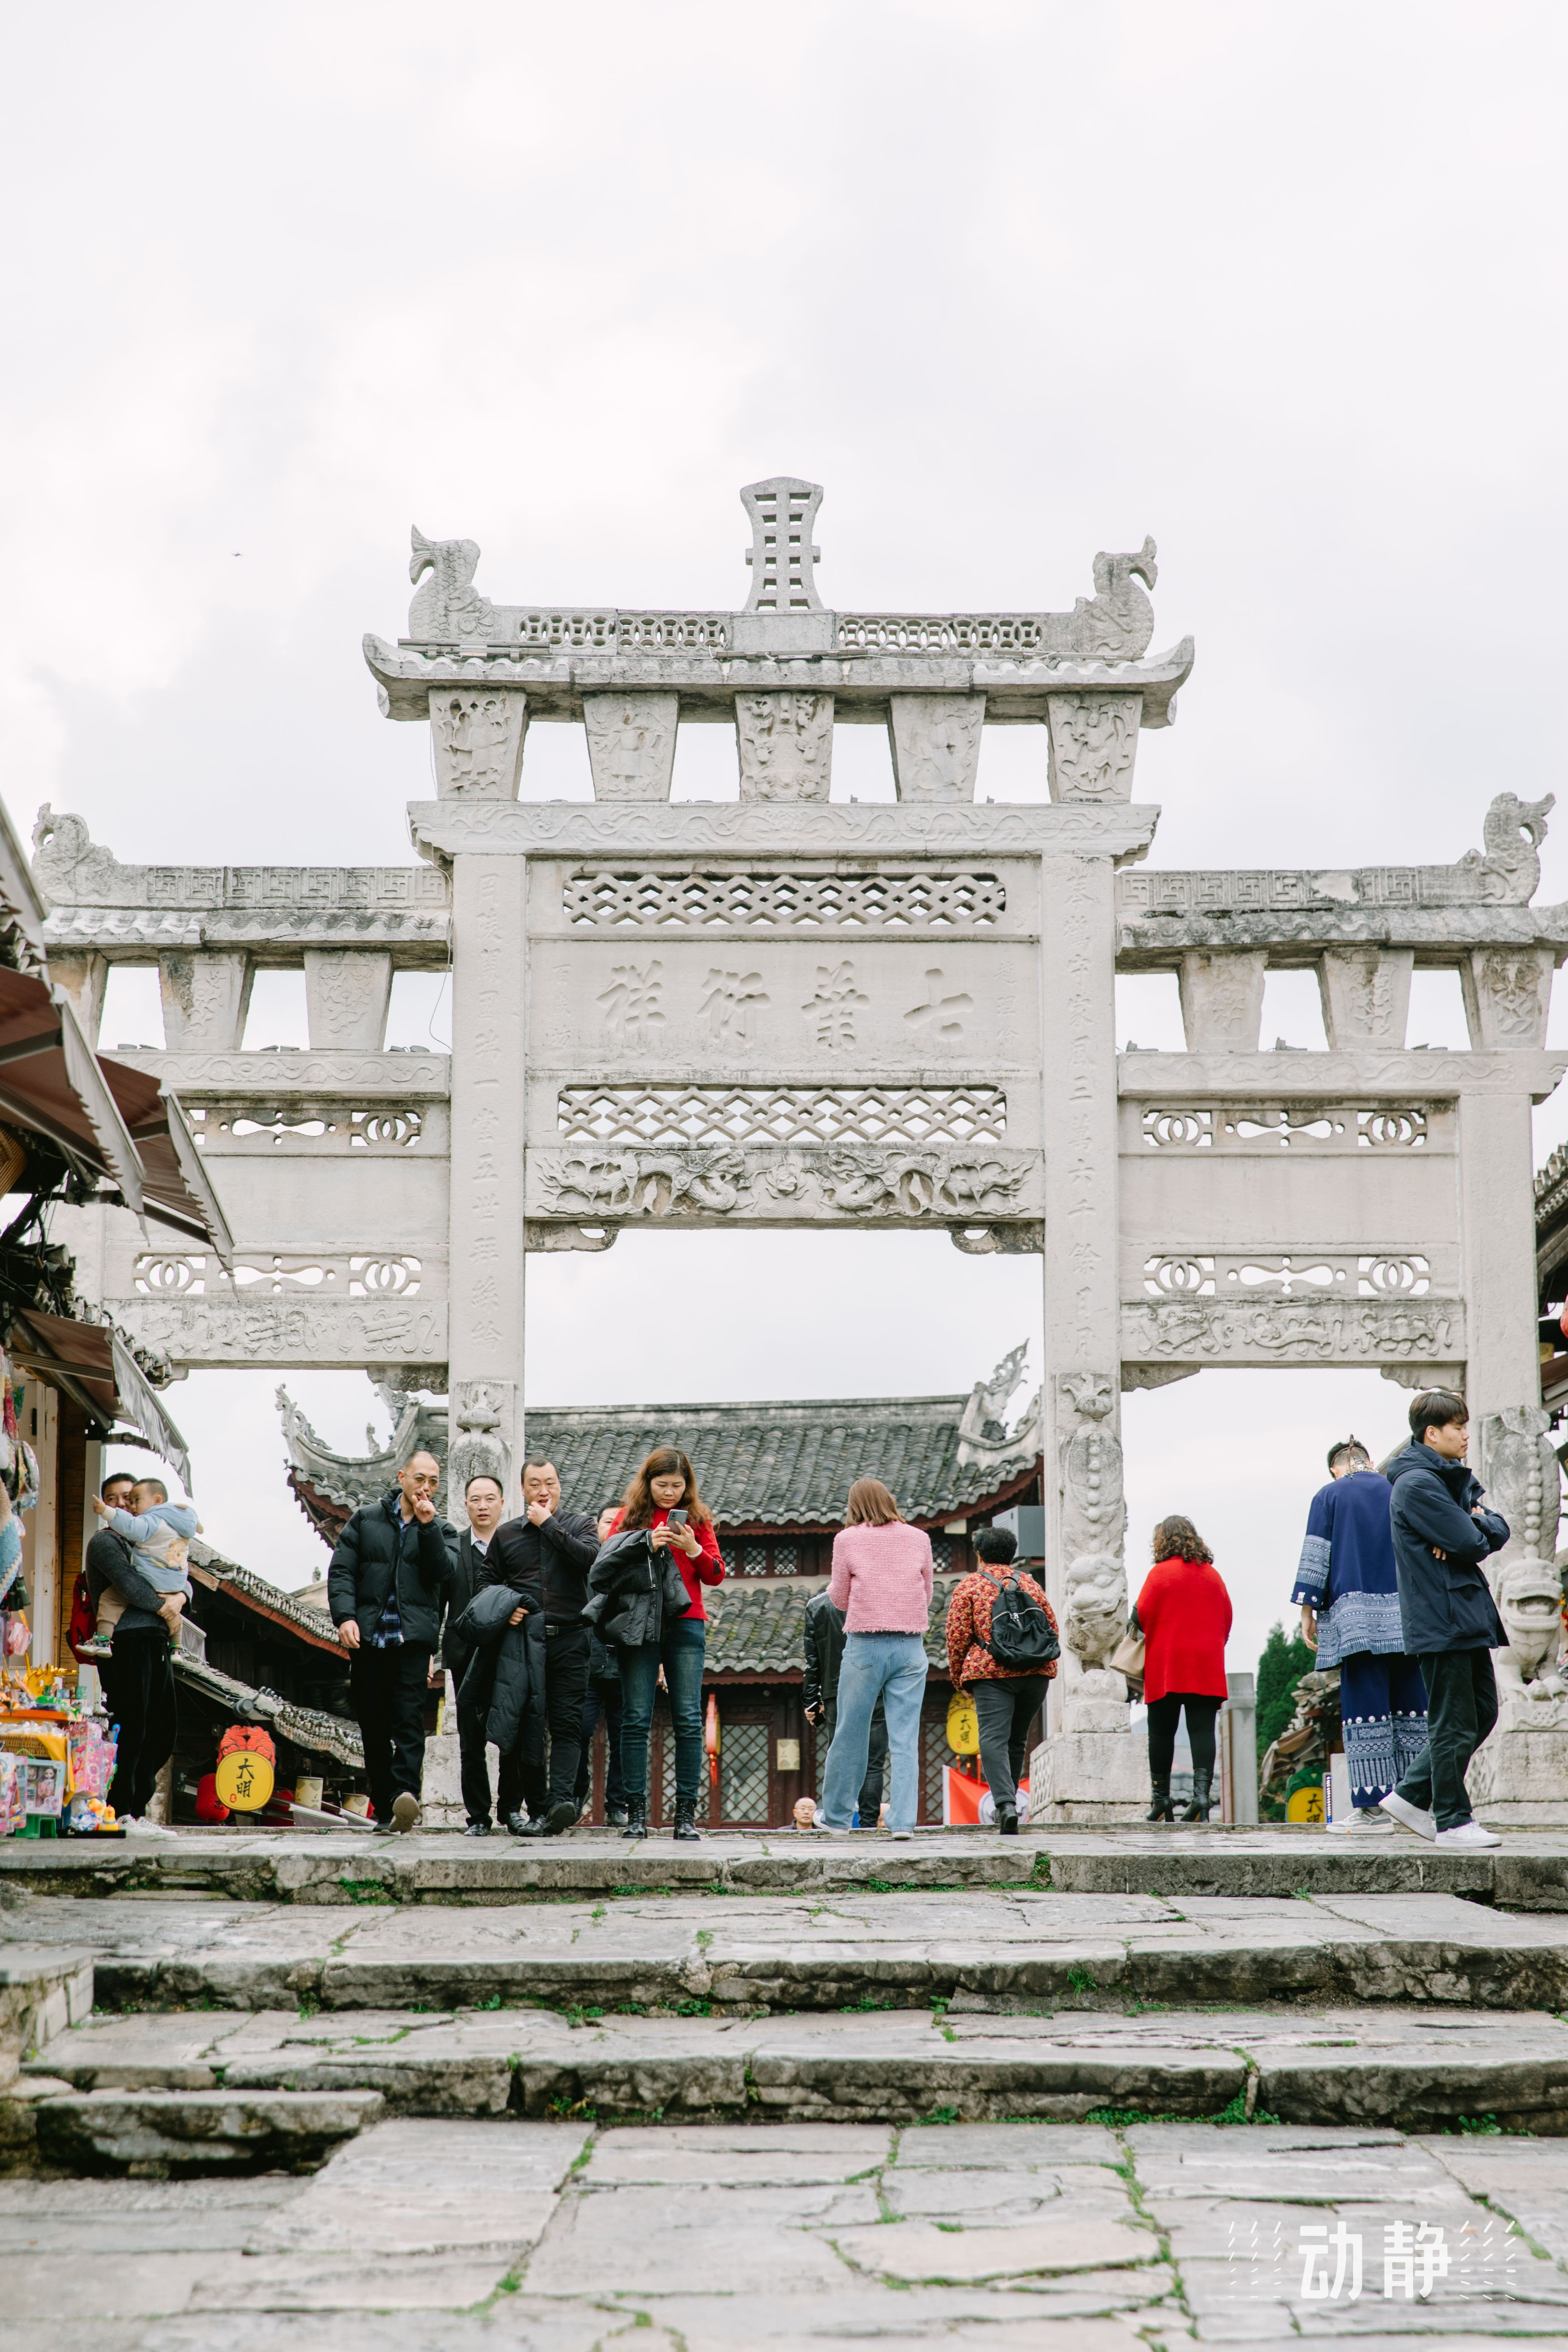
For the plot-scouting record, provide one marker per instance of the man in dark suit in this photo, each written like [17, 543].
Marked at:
[483, 1502]
[545, 1556]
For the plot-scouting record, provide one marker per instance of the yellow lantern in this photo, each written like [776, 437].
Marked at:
[962, 1725]
[243, 1777]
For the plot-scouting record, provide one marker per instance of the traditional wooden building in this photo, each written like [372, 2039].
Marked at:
[775, 1475]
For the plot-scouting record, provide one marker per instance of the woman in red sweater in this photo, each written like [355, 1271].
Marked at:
[1183, 1611]
[668, 1482]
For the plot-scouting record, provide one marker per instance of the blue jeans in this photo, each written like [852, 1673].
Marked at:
[680, 1650]
[891, 1667]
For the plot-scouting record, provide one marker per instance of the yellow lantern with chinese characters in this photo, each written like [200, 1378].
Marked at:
[245, 1763]
[962, 1725]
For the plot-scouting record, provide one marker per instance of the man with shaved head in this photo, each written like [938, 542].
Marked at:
[395, 1562]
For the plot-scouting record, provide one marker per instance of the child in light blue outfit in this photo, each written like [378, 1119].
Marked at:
[161, 1533]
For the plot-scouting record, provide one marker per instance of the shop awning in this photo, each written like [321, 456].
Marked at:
[91, 1363]
[108, 1118]
[177, 1189]
[50, 1081]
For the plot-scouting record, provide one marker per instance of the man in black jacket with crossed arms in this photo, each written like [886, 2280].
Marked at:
[1450, 1621]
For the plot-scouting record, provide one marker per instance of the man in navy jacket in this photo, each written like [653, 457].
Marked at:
[1441, 1536]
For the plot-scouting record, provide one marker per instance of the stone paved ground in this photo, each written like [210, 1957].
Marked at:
[429, 2236]
[825, 1950]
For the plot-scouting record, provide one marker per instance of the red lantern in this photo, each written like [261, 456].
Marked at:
[210, 1806]
[711, 1739]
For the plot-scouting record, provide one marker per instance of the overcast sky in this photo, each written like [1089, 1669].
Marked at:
[1280, 286]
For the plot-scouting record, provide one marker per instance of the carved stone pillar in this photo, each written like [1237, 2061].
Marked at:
[1222, 998]
[935, 740]
[477, 734]
[1093, 745]
[1089, 1767]
[785, 745]
[1508, 994]
[84, 977]
[631, 744]
[205, 998]
[1365, 995]
[1497, 1228]
[1521, 1774]
[487, 1258]
[346, 997]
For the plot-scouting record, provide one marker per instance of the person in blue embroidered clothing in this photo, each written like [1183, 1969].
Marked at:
[1349, 1595]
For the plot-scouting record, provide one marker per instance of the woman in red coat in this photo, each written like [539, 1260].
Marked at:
[1183, 1611]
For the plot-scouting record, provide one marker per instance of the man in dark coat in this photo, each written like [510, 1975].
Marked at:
[483, 1504]
[824, 1635]
[545, 1556]
[390, 1574]
[1450, 1621]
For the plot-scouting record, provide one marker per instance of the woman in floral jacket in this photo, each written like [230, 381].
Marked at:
[1005, 1704]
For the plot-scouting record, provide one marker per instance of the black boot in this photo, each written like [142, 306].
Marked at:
[1007, 1821]
[1160, 1790]
[1199, 1811]
[686, 1818]
[636, 1818]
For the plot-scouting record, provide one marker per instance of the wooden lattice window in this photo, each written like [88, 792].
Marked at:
[743, 1772]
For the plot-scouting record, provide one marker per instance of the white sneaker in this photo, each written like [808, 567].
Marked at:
[900, 1833]
[148, 1829]
[828, 1829]
[1410, 1817]
[1370, 1820]
[405, 1812]
[1469, 1836]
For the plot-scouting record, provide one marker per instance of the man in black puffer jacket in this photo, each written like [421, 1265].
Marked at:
[1450, 1621]
[390, 1573]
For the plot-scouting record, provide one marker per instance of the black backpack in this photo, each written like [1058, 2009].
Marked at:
[1022, 1639]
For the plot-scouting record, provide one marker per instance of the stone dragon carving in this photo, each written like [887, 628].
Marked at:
[446, 602]
[1509, 869]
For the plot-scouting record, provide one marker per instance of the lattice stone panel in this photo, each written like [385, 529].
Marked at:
[918, 901]
[743, 1772]
[1285, 1127]
[266, 1275]
[942, 633]
[390, 1125]
[782, 1115]
[1402, 1275]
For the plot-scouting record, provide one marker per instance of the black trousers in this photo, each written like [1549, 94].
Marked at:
[603, 1698]
[389, 1688]
[566, 1658]
[1461, 1708]
[1005, 1707]
[871, 1798]
[1163, 1715]
[143, 1681]
[474, 1765]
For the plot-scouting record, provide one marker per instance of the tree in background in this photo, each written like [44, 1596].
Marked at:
[1280, 1669]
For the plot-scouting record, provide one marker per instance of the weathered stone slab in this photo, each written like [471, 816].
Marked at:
[41, 1992]
[199, 2131]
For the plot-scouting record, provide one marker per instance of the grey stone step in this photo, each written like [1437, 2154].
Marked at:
[42, 1991]
[818, 1950]
[1413, 2068]
[1528, 1872]
[155, 2131]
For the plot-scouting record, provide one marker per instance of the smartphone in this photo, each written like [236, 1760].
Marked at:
[677, 1519]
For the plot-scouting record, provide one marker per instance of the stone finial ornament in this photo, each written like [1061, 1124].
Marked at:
[783, 513]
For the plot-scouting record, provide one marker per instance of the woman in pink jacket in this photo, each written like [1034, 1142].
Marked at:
[882, 1581]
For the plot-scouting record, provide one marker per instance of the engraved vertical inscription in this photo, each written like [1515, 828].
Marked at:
[830, 1009]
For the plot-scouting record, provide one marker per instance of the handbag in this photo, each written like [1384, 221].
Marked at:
[1127, 1658]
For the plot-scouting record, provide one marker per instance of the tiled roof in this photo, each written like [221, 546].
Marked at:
[253, 1592]
[772, 1465]
[754, 1624]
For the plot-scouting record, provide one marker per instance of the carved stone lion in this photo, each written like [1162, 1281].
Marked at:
[1530, 1602]
[1095, 1589]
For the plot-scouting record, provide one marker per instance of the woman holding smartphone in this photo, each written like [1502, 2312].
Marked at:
[664, 1499]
